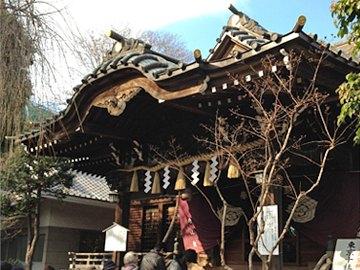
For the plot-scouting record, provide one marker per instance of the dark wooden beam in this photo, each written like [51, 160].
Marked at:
[193, 109]
[95, 129]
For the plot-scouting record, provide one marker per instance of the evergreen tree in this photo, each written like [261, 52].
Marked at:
[347, 15]
[24, 179]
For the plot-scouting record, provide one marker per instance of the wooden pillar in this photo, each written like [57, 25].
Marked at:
[118, 219]
[122, 210]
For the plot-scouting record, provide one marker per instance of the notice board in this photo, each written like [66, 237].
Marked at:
[271, 230]
[347, 254]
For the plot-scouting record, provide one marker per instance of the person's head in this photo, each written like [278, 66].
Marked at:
[110, 265]
[6, 266]
[190, 256]
[130, 257]
[17, 268]
[159, 247]
[49, 268]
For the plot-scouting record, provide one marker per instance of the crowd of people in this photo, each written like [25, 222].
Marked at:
[8, 266]
[153, 260]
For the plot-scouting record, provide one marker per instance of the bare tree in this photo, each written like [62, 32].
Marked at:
[94, 46]
[284, 121]
[277, 126]
[34, 48]
[168, 43]
[17, 51]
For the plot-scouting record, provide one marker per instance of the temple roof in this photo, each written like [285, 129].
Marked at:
[139, 97]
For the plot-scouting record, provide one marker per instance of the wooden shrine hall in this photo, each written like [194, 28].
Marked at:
[142, 118]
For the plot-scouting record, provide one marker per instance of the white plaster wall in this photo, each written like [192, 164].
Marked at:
[58, 243]
[69, 214]
[36, 266]
[62, 223]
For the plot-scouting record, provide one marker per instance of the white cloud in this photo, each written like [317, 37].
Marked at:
[139, 14]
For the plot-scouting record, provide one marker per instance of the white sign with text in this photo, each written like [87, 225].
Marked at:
[271, 233]
[347, 254]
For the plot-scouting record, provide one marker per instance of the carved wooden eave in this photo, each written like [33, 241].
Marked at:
[116, 97]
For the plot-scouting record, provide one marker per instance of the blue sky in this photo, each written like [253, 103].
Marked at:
[277, 15]
[200, 22]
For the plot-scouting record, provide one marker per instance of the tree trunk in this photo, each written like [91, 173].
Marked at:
[29, 252]
[222, 245]
[276, 262]
[33, 235]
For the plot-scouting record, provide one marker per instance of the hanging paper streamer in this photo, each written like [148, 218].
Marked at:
[166, 177]
[195, 173]
[147, 182]
[213, 169]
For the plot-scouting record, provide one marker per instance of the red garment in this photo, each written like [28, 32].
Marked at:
[337, 213]
[201, 229]
[338, 209]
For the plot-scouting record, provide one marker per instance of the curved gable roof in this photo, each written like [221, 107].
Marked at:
[121, 101]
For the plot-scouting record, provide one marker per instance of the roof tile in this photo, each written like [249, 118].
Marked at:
[89, 186]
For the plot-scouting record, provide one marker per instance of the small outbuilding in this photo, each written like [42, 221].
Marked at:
[115, 238]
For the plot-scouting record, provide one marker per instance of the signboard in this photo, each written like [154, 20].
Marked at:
[271, 233]
[347, 254]
[115, 238]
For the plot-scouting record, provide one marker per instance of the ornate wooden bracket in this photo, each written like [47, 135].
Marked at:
[116, 97]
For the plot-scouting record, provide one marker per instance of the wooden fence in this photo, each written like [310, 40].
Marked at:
[95, 261]
[88, 261]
